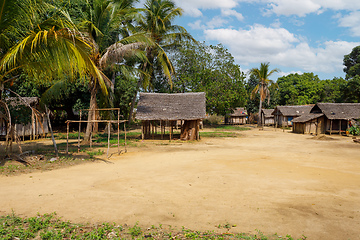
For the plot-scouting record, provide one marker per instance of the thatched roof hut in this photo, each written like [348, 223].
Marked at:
[38, 124]
[165, 109]
[327, 118]
[285, 114]
[267, 117]
[237, 117]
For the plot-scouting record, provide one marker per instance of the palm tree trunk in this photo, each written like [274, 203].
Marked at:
[259, 116]
[92, 112]
[134, 98]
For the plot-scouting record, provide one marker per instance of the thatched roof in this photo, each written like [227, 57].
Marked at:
[268, 112]
[239, 112]
[293, 111]
[14, 101]
[307, 117]
[177, 106]
[338, 110]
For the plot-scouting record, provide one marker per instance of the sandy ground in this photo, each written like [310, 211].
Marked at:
[277, 182]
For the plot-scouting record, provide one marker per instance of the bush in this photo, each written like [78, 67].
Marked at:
[354, 130]
[214, 120]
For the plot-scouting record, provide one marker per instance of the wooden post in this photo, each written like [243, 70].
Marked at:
[125, 136]
[161, 130]
[67, 138]
[142, 130]
[340, 128]
[317, 124]
[51, 131]
[330, 126]
[118, 133]
[107, 154]
[79, 133]
[170, 128]
[347, 124]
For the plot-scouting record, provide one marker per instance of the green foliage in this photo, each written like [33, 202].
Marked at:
[352, 63]
[124, 91]
[135, 230]
[354, 130]
[296, 89]
[210, 69]
[95, 153]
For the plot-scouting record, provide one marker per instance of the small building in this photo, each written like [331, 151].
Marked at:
[239, 116]
[38, 124]
[165, 110]
[266, 117]
[284, 115]
[328, 118]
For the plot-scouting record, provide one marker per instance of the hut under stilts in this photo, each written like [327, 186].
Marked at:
[161, 111]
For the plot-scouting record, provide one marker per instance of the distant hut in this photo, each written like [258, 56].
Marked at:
[328, 118]
[239, 116]
[284, 115]
[267, 117]
[164, 110]
[38, 122]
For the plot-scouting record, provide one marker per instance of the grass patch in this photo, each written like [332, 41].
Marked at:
[232, 128]
[49, 226]
[218, 134]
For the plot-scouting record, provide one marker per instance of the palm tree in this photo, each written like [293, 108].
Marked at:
[262, 74]
[157, 21]
[41, 41]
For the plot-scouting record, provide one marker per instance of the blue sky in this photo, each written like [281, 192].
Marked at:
[295, 36]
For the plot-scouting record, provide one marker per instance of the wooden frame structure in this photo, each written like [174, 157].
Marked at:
[166, 110]
[327, 118]
[118, 121]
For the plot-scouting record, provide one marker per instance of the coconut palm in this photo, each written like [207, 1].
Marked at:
[39, 40]
[157, 21]
[104, 27]
[262, 74]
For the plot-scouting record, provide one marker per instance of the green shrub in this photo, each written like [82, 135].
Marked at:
[354, 130]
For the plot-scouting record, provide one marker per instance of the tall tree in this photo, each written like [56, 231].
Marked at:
[157, 21]
[262, 74]
[352, 63]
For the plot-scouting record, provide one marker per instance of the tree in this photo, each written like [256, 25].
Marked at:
[300, 89]
[352, 63]
[157, 21]
[101, 24]
[262, 74]
[41, 41]
[210, 69]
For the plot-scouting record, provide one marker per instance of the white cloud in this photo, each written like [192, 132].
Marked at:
[280, 47]
[282, 74]
[351, 21]
[293, 7]
[231, 12]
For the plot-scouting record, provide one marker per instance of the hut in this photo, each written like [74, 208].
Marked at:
[266, 117]
[239, 116]
[328, 118]
[38, 122]
[164, 110]
[284, 115]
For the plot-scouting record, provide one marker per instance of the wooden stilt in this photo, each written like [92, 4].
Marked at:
[79, 133]
[142, 130]
[170, 129]
[107, 154]
[67, 138]
[330, 126]
[161, 130]
[118, 133]
[340, 128]
[125, 136]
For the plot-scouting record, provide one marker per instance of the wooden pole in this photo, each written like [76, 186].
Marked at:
[340, 128]
[51, 131]
[125, 135]
[161, 130]
[107, 154]
[67, 138]
[330, 126]
[79, 133]
[118, 125]
[142, 130]
[170, 129]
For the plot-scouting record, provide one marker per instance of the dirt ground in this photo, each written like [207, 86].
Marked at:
[274, 181]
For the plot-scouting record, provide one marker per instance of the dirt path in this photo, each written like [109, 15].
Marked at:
[276, 182]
